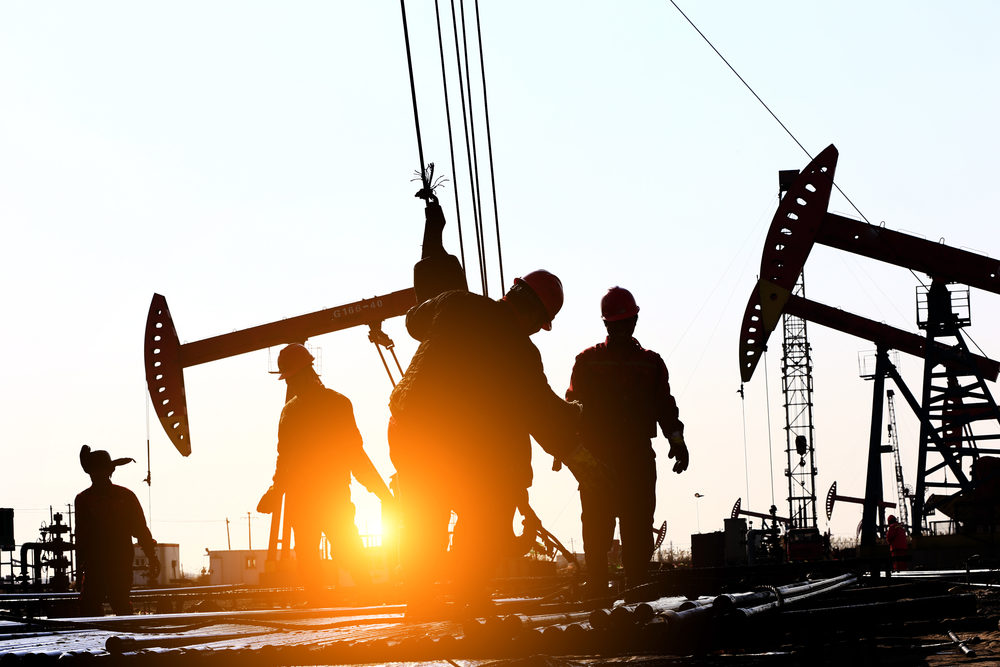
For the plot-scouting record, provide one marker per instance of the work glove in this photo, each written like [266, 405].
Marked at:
[590, 472]
[679, 451]
[270, 502]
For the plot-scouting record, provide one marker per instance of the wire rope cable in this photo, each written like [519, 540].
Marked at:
[413, 96]
[764, 104]
[746, 455]
[468, 148]
[770, 444]
[489, 145]
[477, 188]
[451, 138]
[149, 474]
[466, 95]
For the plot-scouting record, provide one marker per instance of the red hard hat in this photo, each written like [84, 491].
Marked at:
[292, 359]
[618, 304]
[548, 288]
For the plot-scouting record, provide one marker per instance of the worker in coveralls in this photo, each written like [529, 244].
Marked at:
[625, 392]
[899, 549]
[107, 517]
[461, 418]
[319, 447]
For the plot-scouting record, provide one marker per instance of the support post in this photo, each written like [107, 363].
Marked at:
[873, 484]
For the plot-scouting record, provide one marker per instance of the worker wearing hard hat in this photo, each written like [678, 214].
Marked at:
[319, 448]
[899, 548]
[107, 517]
[625, 392]
[461, 418]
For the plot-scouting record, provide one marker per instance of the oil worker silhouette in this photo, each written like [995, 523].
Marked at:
[625, 392]
[107, 517]
[461, 418]
[319, 447]
[899, 550]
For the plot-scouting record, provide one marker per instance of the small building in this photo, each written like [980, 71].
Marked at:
[170, 565]
[236, 566]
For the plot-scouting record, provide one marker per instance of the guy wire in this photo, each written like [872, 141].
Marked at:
[754, 93]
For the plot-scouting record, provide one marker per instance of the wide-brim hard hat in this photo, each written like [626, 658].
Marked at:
[99, 461]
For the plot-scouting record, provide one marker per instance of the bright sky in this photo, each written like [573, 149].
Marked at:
[252, 161]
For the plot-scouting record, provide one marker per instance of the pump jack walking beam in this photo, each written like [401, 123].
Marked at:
[166, 358]
[800, 222]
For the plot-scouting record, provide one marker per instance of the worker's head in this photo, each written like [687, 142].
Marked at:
[619, 312]
[891, 518]
[536, 298]
[99, 465]
[293, 360]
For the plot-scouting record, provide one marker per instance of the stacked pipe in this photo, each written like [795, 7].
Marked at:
[665, 625]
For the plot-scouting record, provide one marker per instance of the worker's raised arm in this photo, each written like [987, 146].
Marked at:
[437, 271]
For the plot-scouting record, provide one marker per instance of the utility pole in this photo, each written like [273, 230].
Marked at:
[229, 544]
[249, 535]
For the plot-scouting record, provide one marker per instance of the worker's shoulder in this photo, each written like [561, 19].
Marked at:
[647, 353]
[112, 494]
[123, 492]
[465, 300]
[85, 495]
[451, 299]
[334, 398]
[593, 352]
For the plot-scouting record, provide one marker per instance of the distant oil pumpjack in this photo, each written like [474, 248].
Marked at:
[955, 395]
[166, 358]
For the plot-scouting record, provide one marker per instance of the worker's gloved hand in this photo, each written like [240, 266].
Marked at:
[153, 573]
[270, 502]
[679, 451]
[590, 472]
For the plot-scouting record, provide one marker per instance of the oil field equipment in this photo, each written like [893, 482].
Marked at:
[166, 358]
[954, 397]
[52, 552]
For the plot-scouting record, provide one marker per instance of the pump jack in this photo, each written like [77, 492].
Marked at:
[166, 358]
[946, 412]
